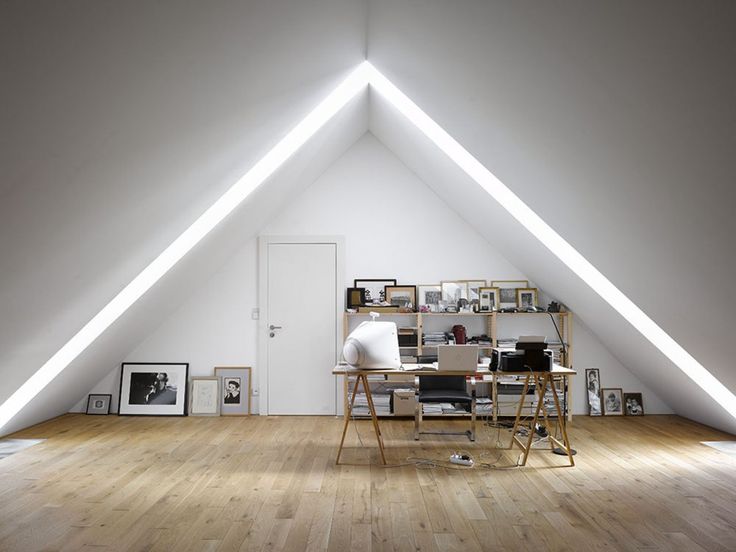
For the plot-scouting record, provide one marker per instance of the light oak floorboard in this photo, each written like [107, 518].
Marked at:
[270, 483]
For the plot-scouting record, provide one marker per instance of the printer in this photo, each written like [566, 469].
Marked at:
[531, 353]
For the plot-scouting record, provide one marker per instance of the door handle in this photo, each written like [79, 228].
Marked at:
[272, 327]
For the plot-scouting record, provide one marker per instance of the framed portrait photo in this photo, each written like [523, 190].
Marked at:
[526, 298]
[612, 399]
[593, 386]
[429, 297]
[507, 291]
[490, 297]
[374, 288]
[204, 396]
[633, 404]
[99, 404]
[454, 290]
[153, 389]
[236, 390]
[404, 297]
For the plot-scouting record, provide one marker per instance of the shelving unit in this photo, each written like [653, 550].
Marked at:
[564, 322]
[488, 322]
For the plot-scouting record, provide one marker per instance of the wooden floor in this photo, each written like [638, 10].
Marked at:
[267, 483]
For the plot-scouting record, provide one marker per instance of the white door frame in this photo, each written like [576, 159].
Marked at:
[263, 242]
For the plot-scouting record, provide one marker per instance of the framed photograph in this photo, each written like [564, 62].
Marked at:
[453, 291]
[404, 297]
[474, 289]
[612, 398]
[99, 404]
[490, 297]
[355, 298]
[633, 405]
[374, 288]
[204, 396]
[526, 297]
[235, 385]
[593, 385]
[429, 297]
[153, 389]
[507, 291]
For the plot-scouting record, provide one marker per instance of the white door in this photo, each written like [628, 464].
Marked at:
[301, 326]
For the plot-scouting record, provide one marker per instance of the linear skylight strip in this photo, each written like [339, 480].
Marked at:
[264, 168]
[555, 243]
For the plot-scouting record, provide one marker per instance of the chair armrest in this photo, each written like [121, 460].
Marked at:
[416, 384]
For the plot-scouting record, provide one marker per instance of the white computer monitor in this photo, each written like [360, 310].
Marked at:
[373, 345]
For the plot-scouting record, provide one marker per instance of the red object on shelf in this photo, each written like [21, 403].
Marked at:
[461, 337]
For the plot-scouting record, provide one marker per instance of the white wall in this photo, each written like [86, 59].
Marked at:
[394, 226]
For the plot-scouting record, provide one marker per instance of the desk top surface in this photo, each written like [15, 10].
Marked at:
[416, 369]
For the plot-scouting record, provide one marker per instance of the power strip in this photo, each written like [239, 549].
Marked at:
[462, 459]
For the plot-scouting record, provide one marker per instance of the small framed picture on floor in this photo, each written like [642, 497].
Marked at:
[99, 404]
[235, 385]
[612, 398]
[633, 404]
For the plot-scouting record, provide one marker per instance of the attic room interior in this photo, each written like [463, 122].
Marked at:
[367, 275]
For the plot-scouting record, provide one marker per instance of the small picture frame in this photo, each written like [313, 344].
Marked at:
[507, 291]
[633, 404]
[236, 390]
[204, 396]
[404, 297]
[429, 297]
[153, 389]
[454, 290]
[526, 298]
[98, 404]
[374, 288]
[490, 298]
[593, 386]
[355, 298]
[612, 399]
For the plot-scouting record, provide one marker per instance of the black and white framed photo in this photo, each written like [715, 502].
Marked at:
[429, 297]
[593, 385]
[404, 297]
[526, 298]
[204, 396]
[633, 404]
[507, 291]
[374, 288]
[490, 298]
[99, 404]
[612, 398]
[454, 290]
[235, 385]
[474, 289]
[153, 389]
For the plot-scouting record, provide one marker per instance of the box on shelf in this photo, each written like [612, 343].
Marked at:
[405, 402]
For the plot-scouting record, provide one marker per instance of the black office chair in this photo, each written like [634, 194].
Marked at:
[444, 389]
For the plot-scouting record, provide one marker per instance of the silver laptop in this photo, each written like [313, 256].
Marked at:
[457, 358]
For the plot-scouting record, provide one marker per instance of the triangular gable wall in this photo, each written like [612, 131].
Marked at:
[384, 237]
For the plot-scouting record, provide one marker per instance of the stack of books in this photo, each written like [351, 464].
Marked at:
[381, 401]
[432, 408]
[483, 405]
[432, 339]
